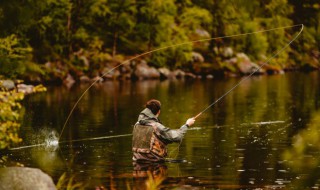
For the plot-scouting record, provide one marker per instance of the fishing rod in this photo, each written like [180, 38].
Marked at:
[248, 76]
[163, 48]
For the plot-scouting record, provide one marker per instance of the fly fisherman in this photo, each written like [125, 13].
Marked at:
[150, 137]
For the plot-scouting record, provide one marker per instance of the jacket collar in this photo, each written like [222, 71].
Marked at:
[147, 115]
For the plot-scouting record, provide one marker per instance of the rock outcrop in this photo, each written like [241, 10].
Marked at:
[22, 178]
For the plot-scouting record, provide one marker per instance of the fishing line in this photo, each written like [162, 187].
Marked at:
[167, 47]
[28, 146]
[98, 138]
[248, 76]
[48, 144]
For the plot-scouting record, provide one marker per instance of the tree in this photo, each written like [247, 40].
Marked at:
[15, 58]
[120, 22]
[308, 13]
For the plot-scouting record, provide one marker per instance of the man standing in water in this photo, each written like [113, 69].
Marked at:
[150, 137]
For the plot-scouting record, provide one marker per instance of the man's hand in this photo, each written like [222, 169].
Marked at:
[190, 121]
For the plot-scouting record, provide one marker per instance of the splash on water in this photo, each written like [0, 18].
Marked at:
[50, 139]
[44, 139]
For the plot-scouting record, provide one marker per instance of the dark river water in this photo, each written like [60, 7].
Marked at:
[236, 144]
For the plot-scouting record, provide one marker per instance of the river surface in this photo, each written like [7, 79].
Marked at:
[236, 144]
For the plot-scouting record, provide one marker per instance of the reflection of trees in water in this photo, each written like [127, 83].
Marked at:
[303, 156]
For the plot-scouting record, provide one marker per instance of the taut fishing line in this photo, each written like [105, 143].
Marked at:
[184, 43]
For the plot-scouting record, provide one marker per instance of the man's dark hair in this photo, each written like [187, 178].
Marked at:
[154, 106]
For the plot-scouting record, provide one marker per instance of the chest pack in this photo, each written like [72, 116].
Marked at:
[145, 140]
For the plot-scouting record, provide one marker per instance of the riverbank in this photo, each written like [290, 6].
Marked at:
[229, 64]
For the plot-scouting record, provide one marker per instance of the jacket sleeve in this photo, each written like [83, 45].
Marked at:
[171, 135]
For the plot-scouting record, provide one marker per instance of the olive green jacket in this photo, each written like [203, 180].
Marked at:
[166, 134]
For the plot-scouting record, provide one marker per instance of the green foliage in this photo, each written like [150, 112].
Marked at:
[11, 50]
[9, 117]
[53, 31]
[15, 58]
[120, 22]
[68, 183]
[11, 113]
[165, 23]
[255, 45]
[305, 143]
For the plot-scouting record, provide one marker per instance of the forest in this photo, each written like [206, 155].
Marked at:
[49, 40]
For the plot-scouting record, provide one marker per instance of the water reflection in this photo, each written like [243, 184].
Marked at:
[236, 144]
[303, 156]
[149, 175]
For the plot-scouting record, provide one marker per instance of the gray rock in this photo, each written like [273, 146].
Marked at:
[85, 60]
[202, 33]
[84, 79]
[22, 178]
[166, 73]
[197, 57]
[25, 89]
[8, 84]
[227, 52]
[209, 77]
[143, 71]
[69, 81]
[179, 73]
[245, 65]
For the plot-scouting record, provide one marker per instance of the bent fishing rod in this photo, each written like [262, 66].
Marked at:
[248, 76]
[176, 45]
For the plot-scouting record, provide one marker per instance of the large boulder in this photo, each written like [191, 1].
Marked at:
[245, 65]
[22, 178]
[202, 33]
[197, 57]
[144, 71]
[7, 84]
[69, 81]
[227, 52]
[179, 74]
[165, 73]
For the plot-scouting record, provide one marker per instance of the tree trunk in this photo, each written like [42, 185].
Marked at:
[114, 47]
[69, 32]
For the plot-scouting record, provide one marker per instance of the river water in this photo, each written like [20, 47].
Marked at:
[236, 144]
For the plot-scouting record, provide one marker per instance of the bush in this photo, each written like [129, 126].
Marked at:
[10, 114]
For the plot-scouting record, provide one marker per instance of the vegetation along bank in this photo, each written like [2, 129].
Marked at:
[46, 41]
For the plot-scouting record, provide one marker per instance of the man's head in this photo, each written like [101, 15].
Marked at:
[154, 106]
